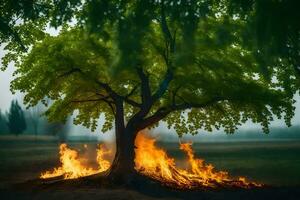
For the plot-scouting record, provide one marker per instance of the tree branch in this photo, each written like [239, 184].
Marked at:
[85, 100]
[164, 111]
[163, 85]
[165, 28]
[185, 106]
[170, 49]
[128, 100]
[114, 95]
[174, 95]
[145, 87]
[105, 99]
[68, 73]
[146, 98]
[10, 32]
[132, 91]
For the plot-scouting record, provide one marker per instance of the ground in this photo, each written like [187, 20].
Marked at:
[275, 164]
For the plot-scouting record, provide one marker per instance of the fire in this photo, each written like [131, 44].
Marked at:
[102, 162]
[154, 162]
[72, 167]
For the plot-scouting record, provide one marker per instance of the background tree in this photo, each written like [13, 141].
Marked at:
[34, 118]
[59, 129]
[3, 125]
[38, 124]
[138, 63]
[16, 120]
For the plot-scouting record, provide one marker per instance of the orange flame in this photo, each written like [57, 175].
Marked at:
[71, 167]
[154, 162]
[102, 162]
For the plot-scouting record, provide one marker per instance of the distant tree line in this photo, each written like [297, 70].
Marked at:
[30, 121]
[253, 134]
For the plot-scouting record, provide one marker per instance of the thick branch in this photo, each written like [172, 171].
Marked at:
[114, 95]
[165, 29]
[163, 85]
[185, 106]
[156, 117]
[170, 49]
[146, 98]
[68, 73]
[131, 102]
[104, 99]
[86, 100]
[164, 111]
[145, 87]
[132, 91]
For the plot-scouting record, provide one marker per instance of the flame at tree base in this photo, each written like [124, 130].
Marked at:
[155, 163]
[72, 167]
[152, 162]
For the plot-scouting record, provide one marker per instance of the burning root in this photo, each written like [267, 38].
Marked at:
[154, 162]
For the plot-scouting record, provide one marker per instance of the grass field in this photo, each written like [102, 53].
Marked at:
[273, 163]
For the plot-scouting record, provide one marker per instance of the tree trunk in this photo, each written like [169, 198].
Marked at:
[122, 170]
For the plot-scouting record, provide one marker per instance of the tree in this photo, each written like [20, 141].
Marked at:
[34, 118]
[3, 126]
[138, 63]
[59, 129]
[16, 120]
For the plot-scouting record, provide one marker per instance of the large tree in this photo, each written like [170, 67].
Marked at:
[192, 64]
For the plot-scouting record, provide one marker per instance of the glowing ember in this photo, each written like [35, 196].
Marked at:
[154, 162]
[71, 167]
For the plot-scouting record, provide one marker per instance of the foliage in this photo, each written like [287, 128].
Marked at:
[193, 64]
[276, 27]
[16, 120]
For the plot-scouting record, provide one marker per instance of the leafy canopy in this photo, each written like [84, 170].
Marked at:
[193, 64]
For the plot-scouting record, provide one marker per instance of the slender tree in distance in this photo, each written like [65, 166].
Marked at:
[35, 118]
[193, 64]
[3, 124]
[59, 129]
[16, 120]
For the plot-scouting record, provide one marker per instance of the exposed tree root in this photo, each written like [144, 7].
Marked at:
[102, 180]
[153, 188]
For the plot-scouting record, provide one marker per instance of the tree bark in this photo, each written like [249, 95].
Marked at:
[122, 169]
